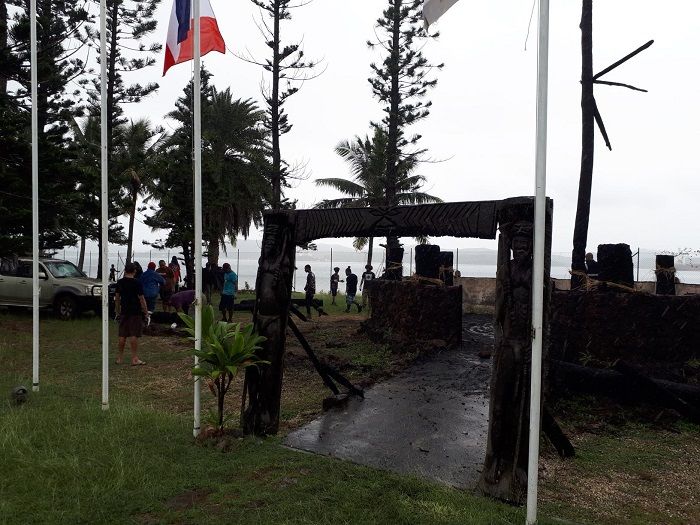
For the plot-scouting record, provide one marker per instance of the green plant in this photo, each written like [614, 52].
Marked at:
[227, 348]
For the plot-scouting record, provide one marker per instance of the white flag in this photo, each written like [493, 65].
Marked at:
[434, 9]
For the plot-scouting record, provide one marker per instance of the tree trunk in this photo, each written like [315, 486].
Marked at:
[275, 114]
[370, 250]
[220, 401]
[392, 151]
[3, 44]
[81, 257]
[112, 57]
[213, 252]
[583, 209]
[132, 218]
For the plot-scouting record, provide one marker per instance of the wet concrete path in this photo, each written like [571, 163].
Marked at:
[430, 421]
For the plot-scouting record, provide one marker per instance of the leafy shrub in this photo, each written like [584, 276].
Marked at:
[227, 348]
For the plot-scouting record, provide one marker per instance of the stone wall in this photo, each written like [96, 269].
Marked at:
[657, 331]
[409, 312]
[479, 293]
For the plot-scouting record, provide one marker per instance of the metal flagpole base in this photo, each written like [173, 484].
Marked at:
[105, 407]
[35, 387]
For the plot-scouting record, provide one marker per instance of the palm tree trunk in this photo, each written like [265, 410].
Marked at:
[583, 209]
[81, 257]
[132, 218]
[213, 252]
[370, 251]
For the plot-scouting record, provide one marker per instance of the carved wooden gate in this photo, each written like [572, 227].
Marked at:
[506, 461]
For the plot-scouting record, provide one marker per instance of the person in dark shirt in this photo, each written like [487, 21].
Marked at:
[112, 274]
[367, 276]
[310, 288]
[130, 307]
[139, 270]
[351, 290]
[335, 279]
[592, 268]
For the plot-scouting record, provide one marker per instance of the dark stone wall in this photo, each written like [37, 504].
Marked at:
[413, 312]
[652, 330]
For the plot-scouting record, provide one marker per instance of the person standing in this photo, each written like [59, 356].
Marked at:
[592, 267]
[130, 308]
[112, 274]
[310, 288]
[177, 273]
[351, 290]
[367, 276]
[151, 282]
[167, 290]
[335, 279]
[228, 293]
[139, 271]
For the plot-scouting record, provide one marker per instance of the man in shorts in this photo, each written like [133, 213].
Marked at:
[351, 290]
[367, 277]
[335, 279]
[130, 307]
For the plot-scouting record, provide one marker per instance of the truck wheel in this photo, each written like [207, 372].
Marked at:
[66, 307]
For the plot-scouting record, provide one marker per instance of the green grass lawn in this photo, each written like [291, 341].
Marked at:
[64, 460]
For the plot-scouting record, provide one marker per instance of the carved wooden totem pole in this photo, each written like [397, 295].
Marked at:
[263, 385]
[505, 467]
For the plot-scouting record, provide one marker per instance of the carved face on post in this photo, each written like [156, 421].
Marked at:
[521, 241]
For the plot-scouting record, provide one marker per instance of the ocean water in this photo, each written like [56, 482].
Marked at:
[246, 265]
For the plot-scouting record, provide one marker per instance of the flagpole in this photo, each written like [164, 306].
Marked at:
[35, 199]
[538, 263]
[104, 201]
[197, 208]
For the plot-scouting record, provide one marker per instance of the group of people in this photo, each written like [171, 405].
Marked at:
[350, 281]
[137, 292]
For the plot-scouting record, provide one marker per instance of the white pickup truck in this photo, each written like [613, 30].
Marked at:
[62, 285]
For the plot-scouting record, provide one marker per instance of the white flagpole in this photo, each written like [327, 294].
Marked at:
[538, 262]
[35, 200]
[104, 201]
[197, 208]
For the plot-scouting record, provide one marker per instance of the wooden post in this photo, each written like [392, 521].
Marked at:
[615, 264]
[263, 385]
[665, 275]
[505, 468]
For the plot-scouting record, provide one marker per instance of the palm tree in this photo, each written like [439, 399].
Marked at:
[137, 145]
[235, 188]
[367, 160]
[235, 166]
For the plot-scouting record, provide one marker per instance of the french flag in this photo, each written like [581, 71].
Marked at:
[180, 44]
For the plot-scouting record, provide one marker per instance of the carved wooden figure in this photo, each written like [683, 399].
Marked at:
[263, 385]
[505, 467]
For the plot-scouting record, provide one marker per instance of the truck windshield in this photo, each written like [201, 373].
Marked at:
[63, 269]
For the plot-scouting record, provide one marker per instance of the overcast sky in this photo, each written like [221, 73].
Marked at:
[645, 191]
